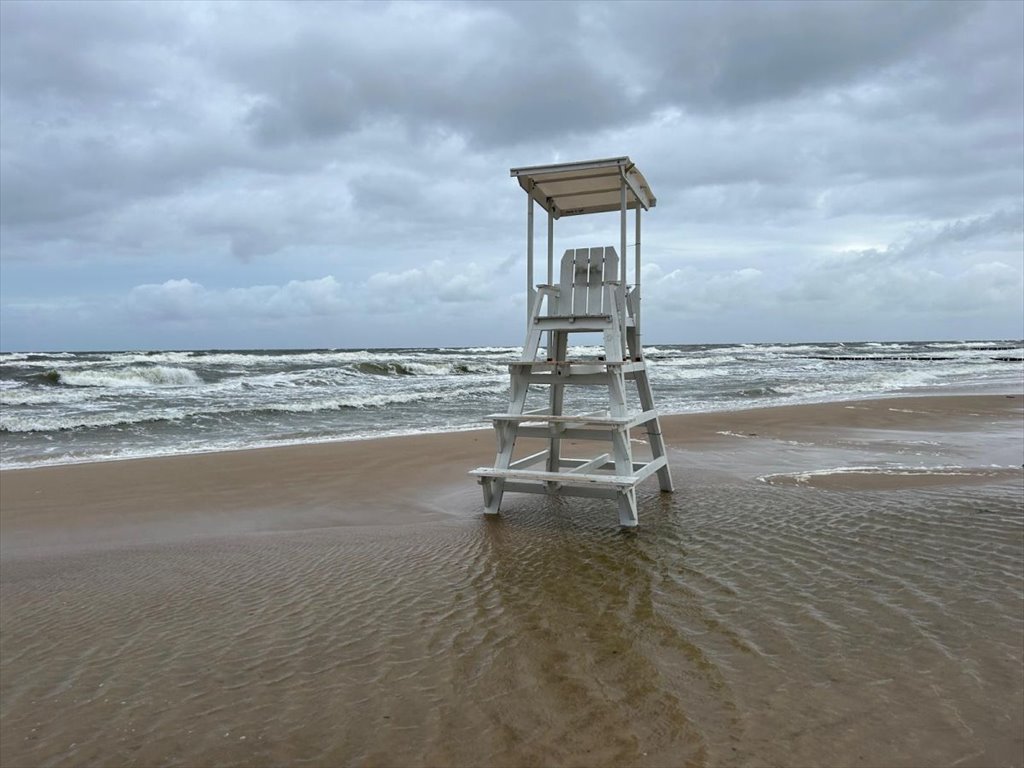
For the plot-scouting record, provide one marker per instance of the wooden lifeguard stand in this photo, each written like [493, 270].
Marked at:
[591, 296]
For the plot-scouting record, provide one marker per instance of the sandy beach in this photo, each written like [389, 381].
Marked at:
[833, 584]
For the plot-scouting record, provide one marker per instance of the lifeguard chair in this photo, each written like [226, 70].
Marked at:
[591, 296]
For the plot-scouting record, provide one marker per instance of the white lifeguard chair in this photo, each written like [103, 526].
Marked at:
[591, 296]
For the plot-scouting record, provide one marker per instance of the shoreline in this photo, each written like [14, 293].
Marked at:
[959, 391]
[893, 443]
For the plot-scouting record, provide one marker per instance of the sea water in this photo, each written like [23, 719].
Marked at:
[66, 407]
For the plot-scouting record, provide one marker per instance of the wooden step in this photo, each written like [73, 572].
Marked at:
[641, 471]
[627, 366]
[585, 361]
[591, 419]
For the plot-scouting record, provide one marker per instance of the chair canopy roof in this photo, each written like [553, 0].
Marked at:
[591, 186]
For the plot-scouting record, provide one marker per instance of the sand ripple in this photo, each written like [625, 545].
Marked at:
[744, 624]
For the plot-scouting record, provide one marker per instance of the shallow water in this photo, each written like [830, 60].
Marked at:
[742, 624]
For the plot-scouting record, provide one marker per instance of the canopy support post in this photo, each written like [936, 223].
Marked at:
[551, 248]
[529, 256]
[636, 284]
[622, 250]
[552, 352]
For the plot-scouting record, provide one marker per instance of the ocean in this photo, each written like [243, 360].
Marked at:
[69, 407]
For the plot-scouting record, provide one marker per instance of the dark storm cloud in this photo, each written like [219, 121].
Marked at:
[513, 72]
[721, 56]
[487, 74]
[91, 55]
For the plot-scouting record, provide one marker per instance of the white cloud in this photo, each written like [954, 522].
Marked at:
[185, 301]
[416, 292]
[692, 292]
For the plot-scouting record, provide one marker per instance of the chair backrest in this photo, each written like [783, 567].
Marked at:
[584, 273]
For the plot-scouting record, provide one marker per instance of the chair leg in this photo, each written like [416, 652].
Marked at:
[559, 346]
[532, 343]
[627, 509]
[654, 436]
[494, 489]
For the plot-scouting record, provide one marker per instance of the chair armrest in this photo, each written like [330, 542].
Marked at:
[543, 288]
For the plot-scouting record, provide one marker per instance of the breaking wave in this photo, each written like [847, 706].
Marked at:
[135, 376]
[26, 422]
[426, 369]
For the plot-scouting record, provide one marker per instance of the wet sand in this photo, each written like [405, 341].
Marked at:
[835, 584]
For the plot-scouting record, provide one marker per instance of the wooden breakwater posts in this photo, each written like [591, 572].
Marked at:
[591, 296]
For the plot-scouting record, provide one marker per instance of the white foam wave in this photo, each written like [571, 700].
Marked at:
[449, 369]
[34, 421]
[41, 396]
[354, 401]
[312, 358]
[427, 369]
[777, 349]
[672, 373]
[981, 345]
[54, 422]
[694, 360]
[892, 470]
[136, 376]
[516, 351]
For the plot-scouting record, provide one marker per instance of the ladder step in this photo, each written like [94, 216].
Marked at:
[552, 363]
[598, 420]
[641, 471]
[607, 481]
[578, 366]
[577, 323]
[571, 318]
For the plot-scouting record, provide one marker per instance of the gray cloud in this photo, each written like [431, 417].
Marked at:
[742, 55]
[792, 146]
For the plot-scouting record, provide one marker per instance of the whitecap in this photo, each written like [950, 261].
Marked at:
[135, 376]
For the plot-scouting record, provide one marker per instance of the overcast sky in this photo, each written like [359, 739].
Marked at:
[257, 175]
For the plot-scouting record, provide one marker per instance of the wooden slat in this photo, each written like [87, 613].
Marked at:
[568, 433]
[627, 365]
[602, 420]
[641, 472]
[607, 481]
[624, 422]
[589, 492]
[580, 269]
[534, 458]
[572, 323]
[565, 283]
[579, 317]
[611, 270]
[586, 466]
[595, 276]
[580, 379]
